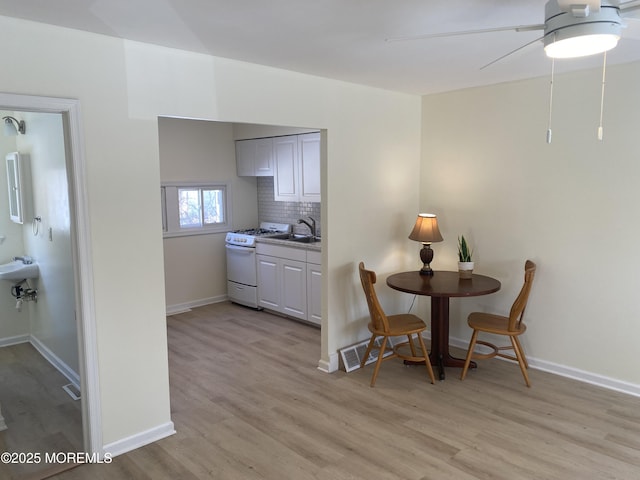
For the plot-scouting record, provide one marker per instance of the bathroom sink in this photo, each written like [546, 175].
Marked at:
[17, 270]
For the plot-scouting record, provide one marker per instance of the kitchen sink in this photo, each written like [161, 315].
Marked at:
[304, 239]
[295, 237]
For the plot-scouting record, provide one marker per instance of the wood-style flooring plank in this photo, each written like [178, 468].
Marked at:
[248, 402]
[41, 417]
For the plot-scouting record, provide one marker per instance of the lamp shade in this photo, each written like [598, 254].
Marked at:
[426, 229]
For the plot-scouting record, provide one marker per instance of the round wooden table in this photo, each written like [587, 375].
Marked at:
[440, 287]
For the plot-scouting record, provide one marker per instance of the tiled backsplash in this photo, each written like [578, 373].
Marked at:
[284, 212]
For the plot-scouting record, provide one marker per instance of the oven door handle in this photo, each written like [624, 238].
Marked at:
[241, 250]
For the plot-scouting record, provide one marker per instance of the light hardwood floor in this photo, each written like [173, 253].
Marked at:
[41, 417]
[249, 403]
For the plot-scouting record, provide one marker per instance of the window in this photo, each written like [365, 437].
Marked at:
[193, 209]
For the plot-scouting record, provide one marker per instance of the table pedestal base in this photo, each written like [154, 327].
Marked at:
[440, 355]
[441, 361]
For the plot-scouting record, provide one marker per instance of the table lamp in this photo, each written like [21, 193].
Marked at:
[426, 231]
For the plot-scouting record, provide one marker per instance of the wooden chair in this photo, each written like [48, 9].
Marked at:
[511, 326]
[385, 326]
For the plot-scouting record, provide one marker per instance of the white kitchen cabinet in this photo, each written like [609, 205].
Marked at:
[314, 288]
[294, 288]
[296, 168]
[282, 279]
[254, 157]
[309, 161]
[288, 283]
[268, 269]
[285, 169]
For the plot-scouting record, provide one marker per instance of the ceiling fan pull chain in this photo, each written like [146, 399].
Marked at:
[604, 72]
[553, 68]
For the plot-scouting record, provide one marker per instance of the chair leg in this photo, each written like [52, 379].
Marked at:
[379, 362]
[526, 364]
[426, 358]
[368, 352]
[521, 360]
[411, 345]
[467, 360]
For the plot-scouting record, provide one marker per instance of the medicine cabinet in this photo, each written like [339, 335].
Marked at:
[15, 187]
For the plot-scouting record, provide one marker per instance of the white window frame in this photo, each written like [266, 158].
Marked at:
[171, 216]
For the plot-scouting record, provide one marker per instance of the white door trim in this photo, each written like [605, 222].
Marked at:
[81, 253]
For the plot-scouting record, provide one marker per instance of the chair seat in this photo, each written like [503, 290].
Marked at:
[401, 324]
[386, 326]
[511, 326]
[490, 323]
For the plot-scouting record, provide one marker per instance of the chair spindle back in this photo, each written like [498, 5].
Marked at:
[517, 309]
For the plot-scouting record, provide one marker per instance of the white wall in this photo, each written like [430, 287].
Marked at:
[373, 151]
[14, 325]
[196, 150]
[570, 206]
[53, 321]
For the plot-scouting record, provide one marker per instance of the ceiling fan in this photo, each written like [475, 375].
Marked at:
[572, 28]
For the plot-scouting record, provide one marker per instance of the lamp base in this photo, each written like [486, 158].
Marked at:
[426, 271]
[426, 255]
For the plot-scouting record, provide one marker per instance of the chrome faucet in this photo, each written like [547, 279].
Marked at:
[26, 259]
[312, 225]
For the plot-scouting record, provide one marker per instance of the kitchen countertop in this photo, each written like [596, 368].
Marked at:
[315, 246]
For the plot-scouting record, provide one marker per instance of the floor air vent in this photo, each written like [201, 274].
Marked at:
[72, 390]
[352, 355]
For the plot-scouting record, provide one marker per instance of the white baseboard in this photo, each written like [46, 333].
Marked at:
[8, 341]
[332, 365]
[187, 306]
[140, 439]
[57, 363]
[46, 353]
[569, 372]
[587, 377]
[537, 364]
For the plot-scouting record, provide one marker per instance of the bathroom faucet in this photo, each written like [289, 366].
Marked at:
[312, 225]
[26, 259]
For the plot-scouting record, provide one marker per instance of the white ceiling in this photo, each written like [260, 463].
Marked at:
[340, 39]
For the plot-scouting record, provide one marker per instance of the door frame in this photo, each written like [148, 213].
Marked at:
[81, 254]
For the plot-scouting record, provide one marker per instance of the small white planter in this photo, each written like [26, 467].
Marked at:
[465, 269]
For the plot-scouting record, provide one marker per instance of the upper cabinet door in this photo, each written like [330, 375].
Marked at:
[263, 164]
[286, 182]
[309, 152]
[254, 158]
[297, 168]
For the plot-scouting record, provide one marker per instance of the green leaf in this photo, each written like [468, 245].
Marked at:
[464, 252]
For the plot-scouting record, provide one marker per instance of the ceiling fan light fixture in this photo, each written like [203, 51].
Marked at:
[581, 46]
[569, 34]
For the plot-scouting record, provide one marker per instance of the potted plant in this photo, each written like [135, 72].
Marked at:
[465, 262]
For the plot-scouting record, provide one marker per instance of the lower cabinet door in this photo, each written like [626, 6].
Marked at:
[314, 293]
[268, 282]
[294, 288]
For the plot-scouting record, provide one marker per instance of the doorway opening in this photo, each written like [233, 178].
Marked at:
[67, 111]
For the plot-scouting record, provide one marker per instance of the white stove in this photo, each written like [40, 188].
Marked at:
[242, 276]
[247, 237]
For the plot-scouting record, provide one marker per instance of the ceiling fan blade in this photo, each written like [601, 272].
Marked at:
[512, 52]
[629, 6]
[631, 30]
[517, 28]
